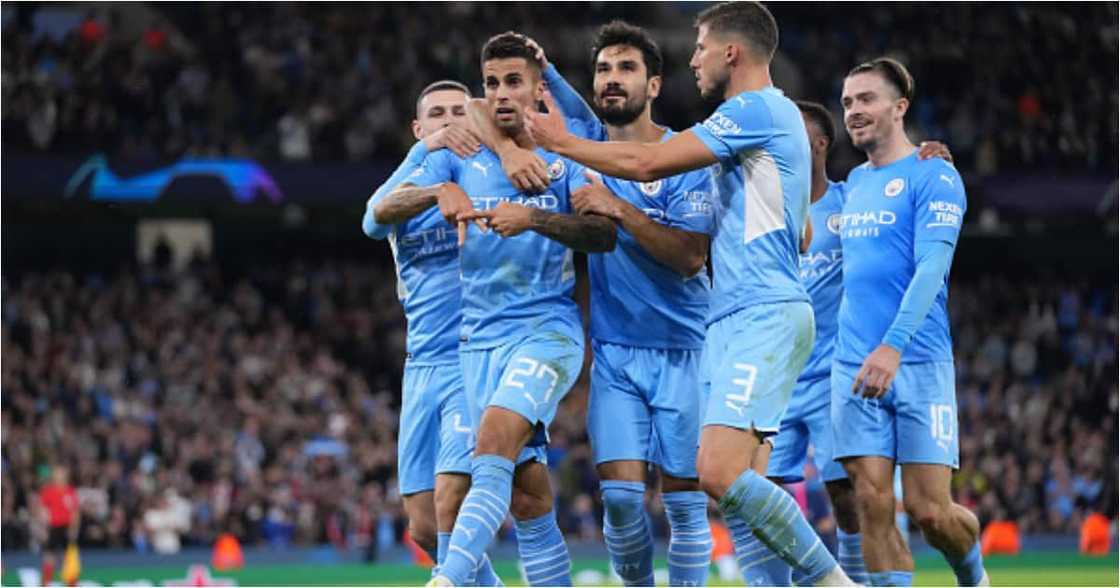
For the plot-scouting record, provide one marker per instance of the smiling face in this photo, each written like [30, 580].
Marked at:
[873, 110]
[438, 109]
[512, 85]
[622, 84]
[709, 63]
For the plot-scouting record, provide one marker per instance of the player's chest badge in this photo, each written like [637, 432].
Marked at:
[894, 187]
[556, 170]
[650, 188]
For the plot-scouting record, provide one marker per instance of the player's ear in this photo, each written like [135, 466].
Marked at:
[416, 129]
[901, 107]
[653, 87]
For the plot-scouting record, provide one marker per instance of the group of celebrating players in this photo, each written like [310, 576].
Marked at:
[824, 318]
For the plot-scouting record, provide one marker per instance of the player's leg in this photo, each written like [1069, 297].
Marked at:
[618, 425]
[544, 554]
[417, 454]
[818, 419]
[885, 552]
[928, 451]
[767, 346]
[453, 466]
[758, 564]
[529, 378]
[673, 377]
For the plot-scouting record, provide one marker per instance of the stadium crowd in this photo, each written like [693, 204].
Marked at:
[1009, 87]
[264, 403]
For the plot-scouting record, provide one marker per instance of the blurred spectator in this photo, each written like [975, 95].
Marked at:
[1010, 86]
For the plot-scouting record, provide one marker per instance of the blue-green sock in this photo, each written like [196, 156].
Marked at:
[970, 568]
[482, 514]
[690, 538]
[626, 531]
[757, 563]
[777, 521]
[891, 578]
[543, 551]
[849, 552]
[442, 541]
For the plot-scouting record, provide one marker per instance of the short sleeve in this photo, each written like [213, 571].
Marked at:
[690, 204]
[741, 123]
[939, 205]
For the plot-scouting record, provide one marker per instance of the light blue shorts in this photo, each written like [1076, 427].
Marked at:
[808, 420]
[751, 362]
[435, 434]
[529, 376]
[645, 405]
[915, 422]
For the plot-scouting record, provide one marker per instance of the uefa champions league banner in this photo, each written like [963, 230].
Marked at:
[190, 179]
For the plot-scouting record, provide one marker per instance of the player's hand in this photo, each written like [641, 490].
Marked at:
[525, 169]
[538, 51]
[459, 139]
[596, 198]
[931, 149]
[877, 373]
[454, 202]
[507, 219]
[547, 129]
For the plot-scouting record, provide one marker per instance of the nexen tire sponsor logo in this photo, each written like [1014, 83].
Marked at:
[945, 214]
[720, 125]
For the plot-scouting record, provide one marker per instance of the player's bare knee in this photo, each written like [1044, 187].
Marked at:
[525, 506]
[423, 533]
[928, 514]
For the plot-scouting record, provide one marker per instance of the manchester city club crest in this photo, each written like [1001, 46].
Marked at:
[556, 170]
[650, 188]
[894, 187]
[833, 224]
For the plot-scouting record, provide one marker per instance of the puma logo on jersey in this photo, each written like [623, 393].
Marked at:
[482, 168]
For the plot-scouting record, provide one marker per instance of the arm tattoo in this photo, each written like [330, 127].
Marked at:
[404, 203]
[588, 233]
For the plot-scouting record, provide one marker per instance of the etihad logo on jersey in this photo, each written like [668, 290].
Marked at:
[428, 242]
[865, 224]
[719, 125]
[816, 264]
[945, 214]
[544, 201]
[833, 224]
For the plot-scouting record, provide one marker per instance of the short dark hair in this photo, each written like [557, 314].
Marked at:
[892, 71]
[821, 117]
[748, 19]
[441, 85]
[509, 45]
[619, 32]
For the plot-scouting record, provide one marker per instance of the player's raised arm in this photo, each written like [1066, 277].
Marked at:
[643, 162]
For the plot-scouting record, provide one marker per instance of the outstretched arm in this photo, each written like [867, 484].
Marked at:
[588, 233]
[643, 162]
[404, 203]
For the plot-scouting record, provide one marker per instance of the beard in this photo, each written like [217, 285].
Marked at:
[715, 93]
[621, 114]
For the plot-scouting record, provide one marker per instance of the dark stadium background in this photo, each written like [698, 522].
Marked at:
[150, 366]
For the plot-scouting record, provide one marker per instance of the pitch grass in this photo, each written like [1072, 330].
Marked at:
[1030, 569]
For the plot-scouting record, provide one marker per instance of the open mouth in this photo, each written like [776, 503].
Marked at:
[504, 112]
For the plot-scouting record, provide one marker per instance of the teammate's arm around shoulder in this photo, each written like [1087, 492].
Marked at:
[525, 169]
[643, 162]
[378, 225]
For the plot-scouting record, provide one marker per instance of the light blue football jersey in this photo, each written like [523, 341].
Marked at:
[635, 299]
[822, 272]
[512, 287]
[762, 182]
[889, 214]
[426, 254]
